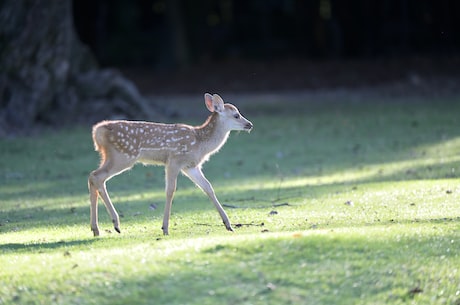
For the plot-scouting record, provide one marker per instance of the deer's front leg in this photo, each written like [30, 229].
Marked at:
[196, 175]
[171, 181]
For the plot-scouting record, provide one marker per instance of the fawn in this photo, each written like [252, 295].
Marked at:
[179, 147]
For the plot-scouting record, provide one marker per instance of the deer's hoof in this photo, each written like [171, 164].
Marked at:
[95, 232]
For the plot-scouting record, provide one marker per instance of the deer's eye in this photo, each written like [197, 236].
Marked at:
[236, 116]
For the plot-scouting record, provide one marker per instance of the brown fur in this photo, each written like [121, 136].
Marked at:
[179, 147]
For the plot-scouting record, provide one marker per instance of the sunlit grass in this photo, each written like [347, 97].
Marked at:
[353, 264]
[334, 203]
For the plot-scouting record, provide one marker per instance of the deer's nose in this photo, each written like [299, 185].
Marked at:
[248, 126]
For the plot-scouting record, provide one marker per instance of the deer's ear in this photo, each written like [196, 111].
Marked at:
[214, 103]
[208, 102]
[218, 103]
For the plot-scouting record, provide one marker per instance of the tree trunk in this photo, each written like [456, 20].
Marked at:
[48, 76]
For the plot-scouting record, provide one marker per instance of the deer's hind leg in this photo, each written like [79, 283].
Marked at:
[93, 196]
[111, 166]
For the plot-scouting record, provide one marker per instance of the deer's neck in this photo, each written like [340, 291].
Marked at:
[212, 133]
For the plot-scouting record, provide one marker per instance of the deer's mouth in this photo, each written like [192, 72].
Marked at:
[248, 127]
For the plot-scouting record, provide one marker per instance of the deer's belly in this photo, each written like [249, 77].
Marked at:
[153, 156]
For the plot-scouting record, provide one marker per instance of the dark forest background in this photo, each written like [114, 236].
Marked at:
[257, 45]
[169, 34]
[85, 60]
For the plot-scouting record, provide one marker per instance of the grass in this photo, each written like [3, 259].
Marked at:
[350, 202]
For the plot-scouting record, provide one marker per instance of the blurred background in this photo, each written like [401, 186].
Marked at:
[170, 47]
[292, 43]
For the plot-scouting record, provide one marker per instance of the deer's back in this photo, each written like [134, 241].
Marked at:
[149, 142]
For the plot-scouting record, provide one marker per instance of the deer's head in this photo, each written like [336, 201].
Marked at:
[228, 113]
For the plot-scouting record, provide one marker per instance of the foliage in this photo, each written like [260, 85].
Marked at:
[350, 202]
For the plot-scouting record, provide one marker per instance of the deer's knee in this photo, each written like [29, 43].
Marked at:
[96, 179]
[92, 179]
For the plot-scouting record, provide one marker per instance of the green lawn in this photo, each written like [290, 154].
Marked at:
[354, 201]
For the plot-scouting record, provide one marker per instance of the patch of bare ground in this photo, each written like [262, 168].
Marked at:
[179, 92]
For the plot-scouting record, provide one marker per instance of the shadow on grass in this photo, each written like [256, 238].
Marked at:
[41, 246]
[36, 218]
[309, 139]
[250, 198]
[321, 267]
